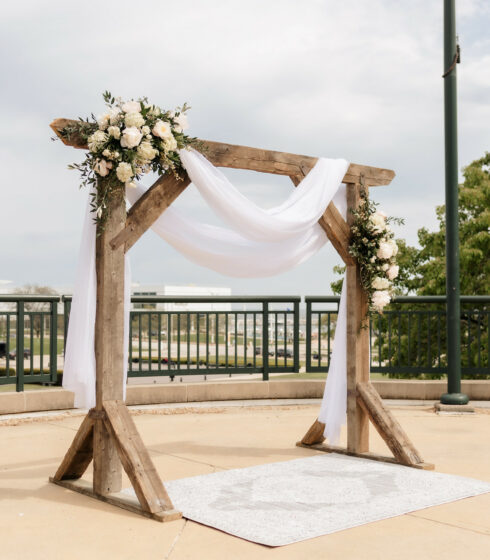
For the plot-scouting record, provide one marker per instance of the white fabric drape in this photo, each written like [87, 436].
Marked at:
[261, 243]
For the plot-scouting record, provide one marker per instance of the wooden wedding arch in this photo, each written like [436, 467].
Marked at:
[108, 434]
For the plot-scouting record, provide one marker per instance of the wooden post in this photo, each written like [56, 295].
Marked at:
[109, 345]
[357, 345]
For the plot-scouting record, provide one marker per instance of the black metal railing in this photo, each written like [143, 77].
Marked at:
[171, 335]
[187, 336]
[409, 338]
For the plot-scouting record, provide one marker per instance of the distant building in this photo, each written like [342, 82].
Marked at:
[182, 291]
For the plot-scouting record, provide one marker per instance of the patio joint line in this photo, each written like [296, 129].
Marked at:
[414, 514]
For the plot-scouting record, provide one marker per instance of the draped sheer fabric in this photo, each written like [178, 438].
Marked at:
[260, 243]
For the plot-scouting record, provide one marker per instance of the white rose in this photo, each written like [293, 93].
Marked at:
[114, 131]
[380, 299]
[96, 140]
[115, 115]
[103, 121]
[170, 144]
[131, 137]
[124, 172]
[102, 167]
[385, 250]
[394, 246]
[134, 119]
[378, 222]
[131, 107]
[145, 130]
[380, 283]
[146, 151]
[162, 129]
[385, 267]
[182, 123]
[392, 272]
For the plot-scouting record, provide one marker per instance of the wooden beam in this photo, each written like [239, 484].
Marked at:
[110, 342]
[119, 499]
[387, 425]
[136, 459]
[79, 454]
[148, 209]
[314, 434]
[334, 226]
[357, 345]
[256, 159]
[372, 456]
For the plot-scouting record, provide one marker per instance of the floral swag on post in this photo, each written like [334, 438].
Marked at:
[130, 139]
[374, 247]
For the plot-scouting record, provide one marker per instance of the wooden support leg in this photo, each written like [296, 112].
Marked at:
[314, 434]
[387, 426]
[135, 458]
[80, 453]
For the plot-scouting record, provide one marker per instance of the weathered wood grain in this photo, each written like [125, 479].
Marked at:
[372, 456]
[79, 454]
[135, 458]
[387, 425]
[109, 344]
[357, 345]
[256, 159]
[119, 499]
[148, 209]
[314, 434]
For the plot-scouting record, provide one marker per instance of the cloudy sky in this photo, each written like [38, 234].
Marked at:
[353, 79]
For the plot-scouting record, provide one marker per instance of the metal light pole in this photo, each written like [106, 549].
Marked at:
[453, 330]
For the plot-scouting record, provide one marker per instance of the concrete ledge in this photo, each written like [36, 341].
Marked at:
[59, 399]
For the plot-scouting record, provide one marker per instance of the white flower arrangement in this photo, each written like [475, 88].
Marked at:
[131, 138]
[374, 247]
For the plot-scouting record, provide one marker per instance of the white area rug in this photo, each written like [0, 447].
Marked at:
[287, 502]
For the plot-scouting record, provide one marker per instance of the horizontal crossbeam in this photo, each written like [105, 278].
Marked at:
[256, 159]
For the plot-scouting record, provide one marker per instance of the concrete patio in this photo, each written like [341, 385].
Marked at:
[42, 521]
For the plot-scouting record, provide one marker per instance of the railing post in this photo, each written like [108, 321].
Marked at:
[66, 316]
[265, 341]
[296, 337]
[308, 335]
[19, 380]
[53, 343]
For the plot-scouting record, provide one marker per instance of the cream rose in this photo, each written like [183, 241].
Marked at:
[96, 140]
[102, 167]
[146, 151]
[131, 137]
[380, 299]
[114, 131]
[134, 119]
[380, 283]
[170, 143]
[378, 222]
[131, 107]
[124, 172]
[103, 121]
[392, 272]
[145, 130]
[385, 250]
[394, 246]
[115, 115]
[182, 123]
[162, 129]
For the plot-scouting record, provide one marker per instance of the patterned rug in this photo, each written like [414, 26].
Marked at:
[282, 503]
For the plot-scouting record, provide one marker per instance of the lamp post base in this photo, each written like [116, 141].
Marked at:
[454, 398]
